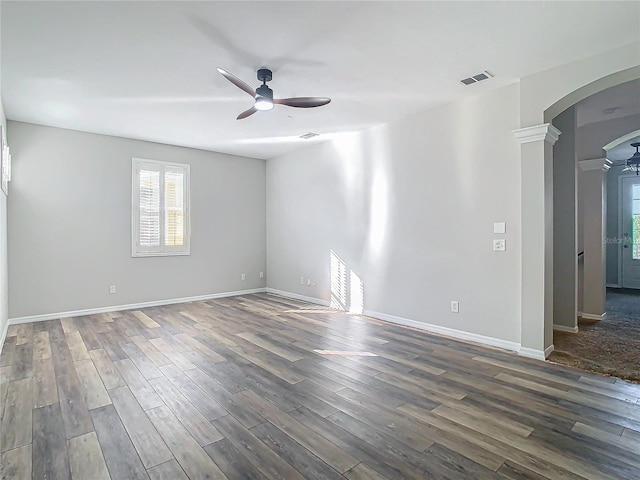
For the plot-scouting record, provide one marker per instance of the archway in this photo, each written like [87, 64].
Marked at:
[543, 96]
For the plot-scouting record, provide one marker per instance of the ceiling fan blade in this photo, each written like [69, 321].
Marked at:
[247, 113]
[302, 102]
[237, 82]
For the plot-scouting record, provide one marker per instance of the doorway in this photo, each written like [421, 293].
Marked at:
[630, 230]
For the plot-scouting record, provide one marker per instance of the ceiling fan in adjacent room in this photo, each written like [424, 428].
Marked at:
[263, 95]
[632, 164]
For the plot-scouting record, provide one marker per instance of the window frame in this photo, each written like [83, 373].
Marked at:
[162, 250]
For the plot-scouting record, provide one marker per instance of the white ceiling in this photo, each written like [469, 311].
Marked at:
[147, 70]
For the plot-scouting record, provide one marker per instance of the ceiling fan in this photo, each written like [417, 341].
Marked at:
[263, 95]
[632, 164]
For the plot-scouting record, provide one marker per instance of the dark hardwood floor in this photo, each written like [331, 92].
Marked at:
[265, 387]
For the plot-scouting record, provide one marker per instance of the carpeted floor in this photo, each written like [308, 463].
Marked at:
[611, 346]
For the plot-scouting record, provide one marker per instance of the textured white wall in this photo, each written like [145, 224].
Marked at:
[409, 208]
[70, 217]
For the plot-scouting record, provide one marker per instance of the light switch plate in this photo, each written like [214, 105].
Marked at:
[499, 245]
[499, 227]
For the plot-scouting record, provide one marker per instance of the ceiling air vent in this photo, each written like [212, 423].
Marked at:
[476, 78]
[309, 135]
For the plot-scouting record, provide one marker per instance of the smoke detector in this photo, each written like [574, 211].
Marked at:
[476, 78]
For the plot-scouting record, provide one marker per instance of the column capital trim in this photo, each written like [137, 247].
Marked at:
[546, 132]
[603, 164]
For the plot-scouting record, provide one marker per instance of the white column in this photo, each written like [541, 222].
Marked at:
[536, 333]
[592, 194]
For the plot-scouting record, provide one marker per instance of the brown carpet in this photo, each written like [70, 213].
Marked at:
[611, 346]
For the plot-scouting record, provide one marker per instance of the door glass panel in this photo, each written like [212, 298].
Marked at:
[635, 219]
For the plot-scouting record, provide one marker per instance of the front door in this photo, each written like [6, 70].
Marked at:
[631, 232]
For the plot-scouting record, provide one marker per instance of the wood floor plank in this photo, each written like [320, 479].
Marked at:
[16, 463]
[319, 446]
[145, 319]
[5, 376]
[119, 453]
[270, 346]
[22, 362]
[234, 465]
[24, 334]
[95, 395]
[17, 418]
[149, 445]
[205, 404]
[41, 346]
[177, 358]
[45, 389]
[626, 443]
[50, 457]
[195, 423]
[247, 416]
[141, 361]
[76, 346]
[189, 454]
[108, 372]
[8, 349]
[86, 459]
[261, 456]
[363, 472]
[293, 453]
[170, 470]
[144, 393]
[149, 349]
[75, 413]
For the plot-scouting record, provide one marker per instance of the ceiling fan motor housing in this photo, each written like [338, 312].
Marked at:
[264, 91]
[265, 75]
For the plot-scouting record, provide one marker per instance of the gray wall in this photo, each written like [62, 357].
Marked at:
[409, 208]
[564, 221]
[70, 217]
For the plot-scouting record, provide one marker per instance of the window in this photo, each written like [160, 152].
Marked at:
[160, 208]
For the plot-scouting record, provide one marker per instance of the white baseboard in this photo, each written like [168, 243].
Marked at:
[446, 331]
[295, 296]
[536, 354]
[593, 316]
[564, 328]
[131, 306]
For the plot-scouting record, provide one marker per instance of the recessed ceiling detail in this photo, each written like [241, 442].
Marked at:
[476, 78]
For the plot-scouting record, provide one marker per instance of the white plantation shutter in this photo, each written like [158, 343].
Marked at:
[160, 216]
[174, 207]
[149, 196]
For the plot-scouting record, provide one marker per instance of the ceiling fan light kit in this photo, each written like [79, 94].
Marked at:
[263, 95]
[633, 163]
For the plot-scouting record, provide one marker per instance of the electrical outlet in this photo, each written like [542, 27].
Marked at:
[261, 274]
[308, 282]
[455, 306]
[112, 289]
[301, 280]
[243, 277]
